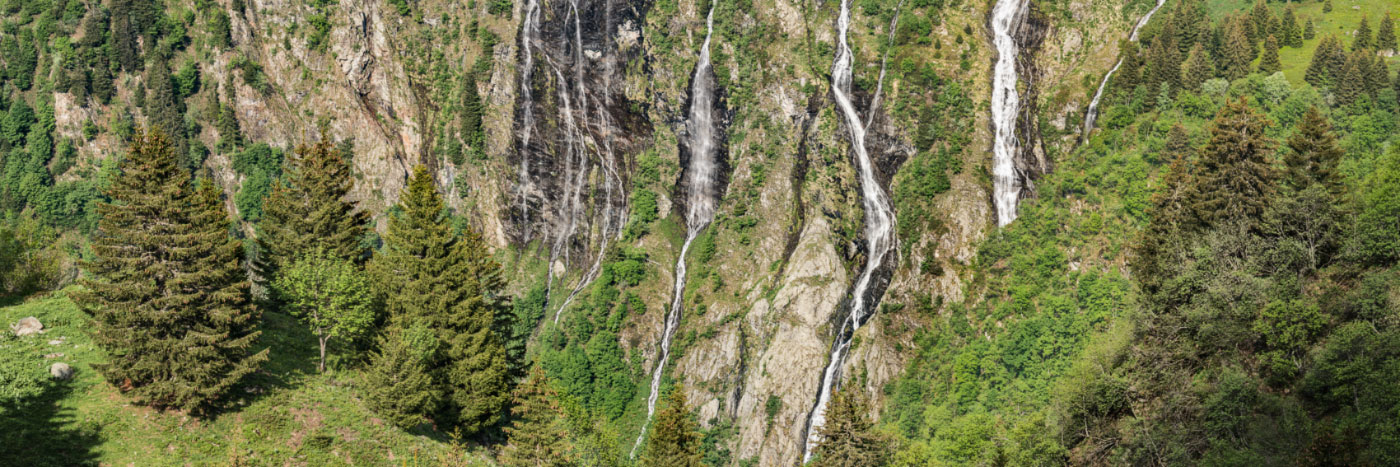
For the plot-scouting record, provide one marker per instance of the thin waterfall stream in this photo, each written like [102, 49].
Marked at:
[879, 224]
[700, 182]
[1093, 112]
[1006, 103]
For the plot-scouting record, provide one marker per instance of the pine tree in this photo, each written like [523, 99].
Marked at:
[1327, 6]
[451, 284]
[1363, 40]
[1385, 37]
[537, 436]
[398, 385]
[675, 436]
[230, 136]
[1164, 62]
[1170, 214]
[1309, 32]
[1259, 19]
[1319, 72]
[1313, 155]
[1292, 34]
[164, 109]
[309, 209]
[1187, 20]
[1233, 179]
[849, 437]
[123, 38]
[472, 134]
[1350, 84]
[168, 295]
[1197, 70]
[1238, 51]
[1269, 64]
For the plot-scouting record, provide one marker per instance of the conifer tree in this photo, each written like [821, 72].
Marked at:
[1313, 154]
[1327, 6]
[1164, 63]
[675, 436]
[1292, 34]
[1319, 72]
[537, 436]
[1197, 70]
[1385, 37]
[1259, 19]
[1270, 64]
[471, 132]
[1238, 51]
[1309, 32]
[1377, 75]
[1363, 40]
[168, 294]
[398, 384]
[1188, 19]
[451, 284]
[1233, 178]
[1351, 82]
[164, 109]
[849, 437]
[1170, 213]
[230, 136]
[309, 209]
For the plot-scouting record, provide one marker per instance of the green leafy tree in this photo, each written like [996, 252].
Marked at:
[849, 436]
[674, 440]
[309, 209]
[330, 294]
[537, 435]
[429, 274]
[168, 294]
[398, 383]
[1270, 64]
[1234, 178]
[1378, 222]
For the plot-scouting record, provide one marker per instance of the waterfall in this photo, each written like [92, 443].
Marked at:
[701, 193]
[879, 222]
[1006, 184]
[1093, 112]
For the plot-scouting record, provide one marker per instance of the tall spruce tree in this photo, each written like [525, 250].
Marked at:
[1259, 20]
[537, 436]
[1170, 214]
[168, 295]
[449, 282]
[1313, 154]
[1351, 83]
[1270, 64]
[849, 436]
[1197, 69]
[165, 110]
[1234, 179]
[675, 436]
[1164, 62]
[1309, 31]
[1385, 36]
[1319, 72]
[471, 131]
[1363, 40]
[1238, 50]
[1292, 34]
[398, 382]
[309, 209]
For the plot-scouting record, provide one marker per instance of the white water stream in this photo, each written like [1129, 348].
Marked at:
[1093, 112]
[879, 223]
[701, 174]
[1006, 103]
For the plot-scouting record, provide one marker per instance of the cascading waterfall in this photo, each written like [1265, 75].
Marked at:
[879, 222]
[529, 33]
[1006, 103]
[1093, 112]
[701, 174]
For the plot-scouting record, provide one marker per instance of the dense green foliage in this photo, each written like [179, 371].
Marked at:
[169, 295]
[537, 435]
[428, 274]
[674, 437]
[330, 294]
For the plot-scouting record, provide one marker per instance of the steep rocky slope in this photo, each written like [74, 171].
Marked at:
[584, 106]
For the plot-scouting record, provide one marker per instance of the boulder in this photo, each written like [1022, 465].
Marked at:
[27, 326]
[61, 371]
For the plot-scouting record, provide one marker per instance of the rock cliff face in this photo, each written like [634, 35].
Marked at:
[584, 102]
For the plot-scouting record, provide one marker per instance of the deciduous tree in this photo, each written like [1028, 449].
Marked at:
[330, 294]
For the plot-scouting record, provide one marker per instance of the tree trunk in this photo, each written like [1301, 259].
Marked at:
[322, 367]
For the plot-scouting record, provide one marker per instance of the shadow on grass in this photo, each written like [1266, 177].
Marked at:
[292, 357]
[40, 432]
